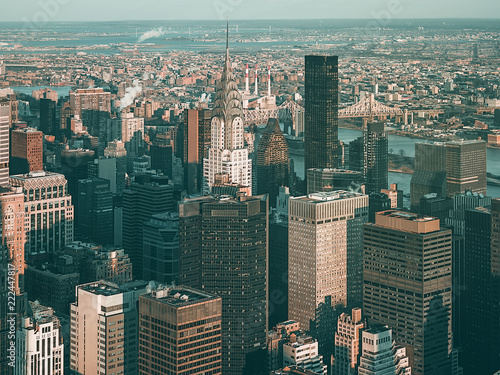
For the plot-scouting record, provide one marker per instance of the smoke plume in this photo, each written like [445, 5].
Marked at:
[130, 94]
[155, 33]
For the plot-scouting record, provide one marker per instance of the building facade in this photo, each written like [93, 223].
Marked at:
[326, 179]
[26, 151]
[376, 158]
[348, 343]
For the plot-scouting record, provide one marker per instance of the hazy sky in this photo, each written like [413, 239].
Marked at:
[114, 10]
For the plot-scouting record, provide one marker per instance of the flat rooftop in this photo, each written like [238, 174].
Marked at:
[102, 288]
[179, 296]
[328, 196]
[407, 222]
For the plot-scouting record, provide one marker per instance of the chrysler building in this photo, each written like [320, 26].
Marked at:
[227, 155]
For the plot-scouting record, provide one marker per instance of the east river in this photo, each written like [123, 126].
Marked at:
[407, 144]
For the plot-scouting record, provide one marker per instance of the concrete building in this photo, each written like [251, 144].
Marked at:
[326, 179]
[348, 343]
[395, 195]
[180, 332]
[131, 126]
[104, 331]
[48, 209]
[404, 255]
[39, 344]
[89, 99]
[380, 355]
[272, 161]
[302, 350]
[495, 272]
[26, 151]
[322, 148]
[161, 248]
[276, 338]
[324, 252]
[196, 142]
[116, 150]
[466, 167]
[227, 154]
[5, 121]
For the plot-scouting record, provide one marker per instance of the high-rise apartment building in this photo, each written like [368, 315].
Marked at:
[272, 161]
[39, 344]
[104, 332]
[131, 126]
[326, 179]
[407, 285]
[325, 253]
[227, 154]
[89, 99]
[48, 209]
[26, 151]
[395, 195]
[429, 175]
[147, 196]
[466, 167]
[5, 117]
[348, 343]
[322, 148]
[196, 142]
[161, 248]
[376, 158]
[180, 332]
[381, 355]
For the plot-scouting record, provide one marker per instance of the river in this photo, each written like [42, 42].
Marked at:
[407, 144]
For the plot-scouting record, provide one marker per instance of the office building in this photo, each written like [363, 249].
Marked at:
[180, 332]
[356, 155]
[348, 343]
[466, 167]
[322, 148]
[148, 195]
[326, 179]
[301, 350]
[161, 157]
[227, 154]
[39, 344]
[275, 340]
[395, 195]
[272, 161]
[94, 211]
[478, 295]
[5, 117]
[161, 248]
[109, 169]
[74, 166]
[48, 125]
[104, 331]
[407, 285]
[48, 210]
[495, 273]
[432, 205]
[26, 151]
[324, 252]
[376, 159]
[89, 99]
[116, 150]
[429, 175]
[196, 142]
[381, 355]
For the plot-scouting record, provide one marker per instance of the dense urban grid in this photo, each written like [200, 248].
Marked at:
[268, 198]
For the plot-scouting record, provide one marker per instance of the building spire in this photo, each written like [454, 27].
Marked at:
[227, 36]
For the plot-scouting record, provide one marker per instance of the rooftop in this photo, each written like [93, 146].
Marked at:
[179, 296]
[328, 196]
[102, 288]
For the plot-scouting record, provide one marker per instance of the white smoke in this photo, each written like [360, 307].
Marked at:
[130, 94]
[203, 98]
[209, 98]
[145, 76]
[155, 33]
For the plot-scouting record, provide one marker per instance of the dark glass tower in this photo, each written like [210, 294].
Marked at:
[376, 162]
[322, 148]
[272, 161]
[48, 116]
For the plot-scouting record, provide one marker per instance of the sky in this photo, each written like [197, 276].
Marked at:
[119, 10]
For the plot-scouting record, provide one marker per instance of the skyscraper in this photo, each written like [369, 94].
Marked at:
[48, 209]
[430, 172]
[89, 99]
[48, 123]
[356, 155]
[5, 115]
[161, 157]
[495, 272]
[322, 148]
[196, 142]
[147, 196]
[227, 154]
[26, 151]
[180, 332]
[326, 179]
[466, 167]
[376, 162]
[116, 150]
[104, 331]
[348, 342]
[325, 253]
[407, 285]
[272, 161]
